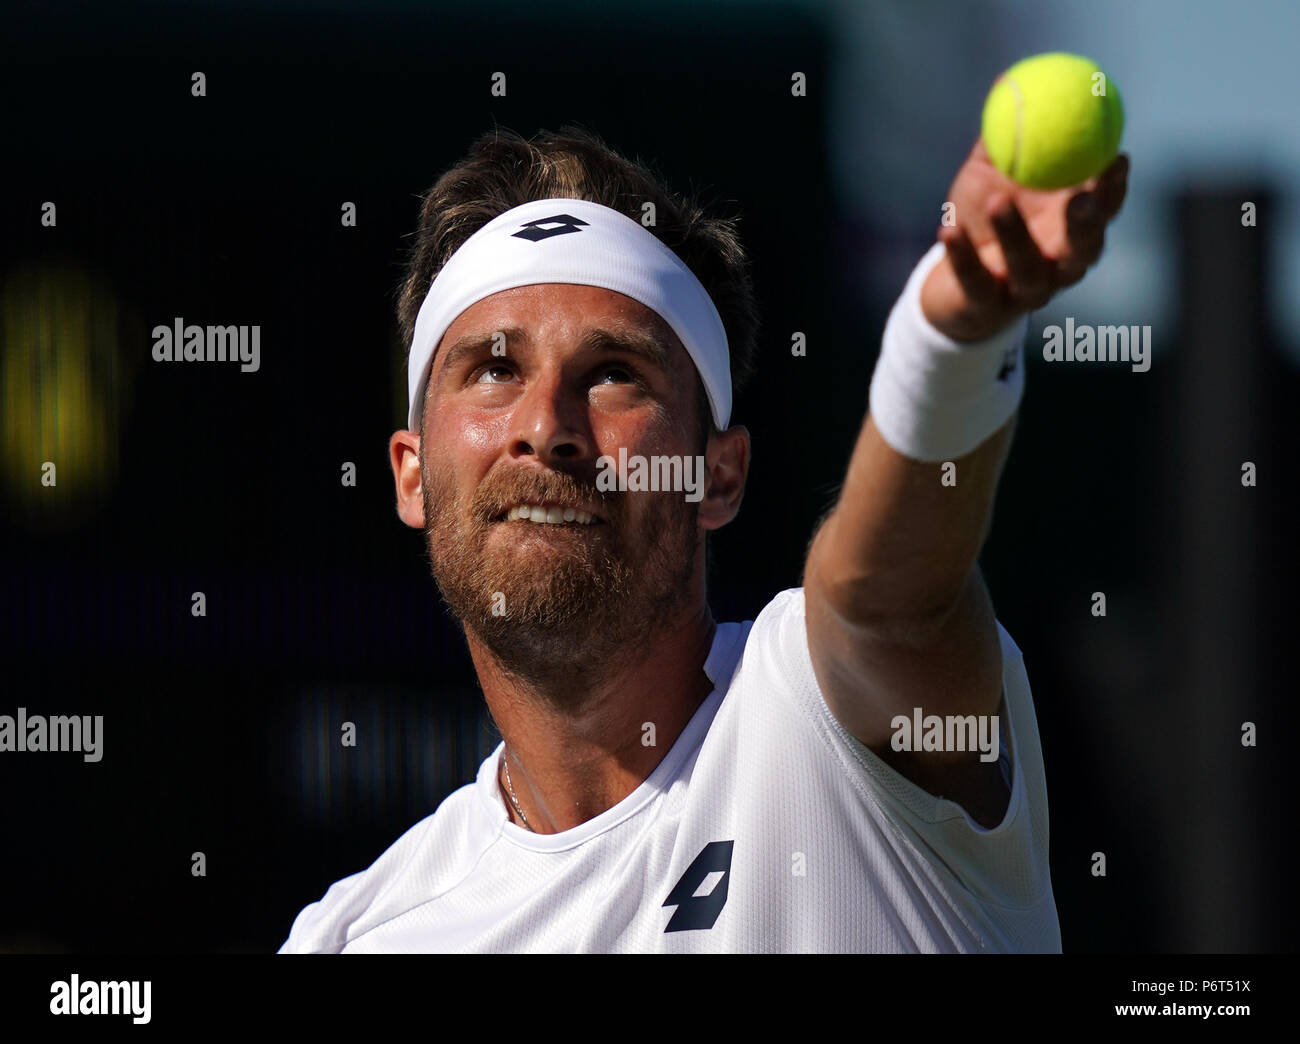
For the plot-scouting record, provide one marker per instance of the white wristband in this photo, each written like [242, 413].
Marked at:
[933, 398]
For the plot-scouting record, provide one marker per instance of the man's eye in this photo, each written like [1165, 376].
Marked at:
[619, 373]
[495, 375]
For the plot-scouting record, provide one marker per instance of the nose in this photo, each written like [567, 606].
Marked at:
[550, 423]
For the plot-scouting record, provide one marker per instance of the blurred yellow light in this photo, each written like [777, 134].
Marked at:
[61, 391]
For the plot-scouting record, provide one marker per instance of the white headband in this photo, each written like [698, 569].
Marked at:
[573, 241]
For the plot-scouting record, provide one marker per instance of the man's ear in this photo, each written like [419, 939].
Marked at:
[726, 462]
[404, 455]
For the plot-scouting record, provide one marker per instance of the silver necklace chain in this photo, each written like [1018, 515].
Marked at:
[510, 787]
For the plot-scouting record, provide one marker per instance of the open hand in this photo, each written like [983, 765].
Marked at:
[1013, 248]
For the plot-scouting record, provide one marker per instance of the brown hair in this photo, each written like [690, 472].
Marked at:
[504, 170]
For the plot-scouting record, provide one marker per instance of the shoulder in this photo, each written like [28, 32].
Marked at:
[783, 620]
[1006, 862]
[775, 655]
[433, 852]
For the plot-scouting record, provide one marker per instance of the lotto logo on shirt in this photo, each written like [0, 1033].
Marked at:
[701, 893]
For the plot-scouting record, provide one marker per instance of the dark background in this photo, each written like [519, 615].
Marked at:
[220, 732]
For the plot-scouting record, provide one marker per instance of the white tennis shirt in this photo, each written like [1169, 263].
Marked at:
[766, 828]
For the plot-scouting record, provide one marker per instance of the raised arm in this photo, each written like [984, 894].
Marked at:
[898, 615]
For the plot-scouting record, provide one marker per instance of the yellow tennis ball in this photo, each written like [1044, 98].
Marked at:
[1052, 120]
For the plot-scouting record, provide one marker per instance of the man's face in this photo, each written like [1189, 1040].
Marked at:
[578, 373]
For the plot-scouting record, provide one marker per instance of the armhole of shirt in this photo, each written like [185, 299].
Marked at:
[1005, 864]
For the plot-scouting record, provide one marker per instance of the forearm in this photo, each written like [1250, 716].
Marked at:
[899, 548]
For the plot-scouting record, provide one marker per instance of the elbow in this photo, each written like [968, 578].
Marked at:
[908, 602]
[881, 613]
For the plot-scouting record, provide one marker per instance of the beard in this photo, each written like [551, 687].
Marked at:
[559, 599]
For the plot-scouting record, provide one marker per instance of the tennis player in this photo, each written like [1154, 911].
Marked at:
[857, 769]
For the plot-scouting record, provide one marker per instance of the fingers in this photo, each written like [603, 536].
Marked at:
[1086, 216]
[1030, 277]
[977, 282]
[1085, 231]
[1112, 186]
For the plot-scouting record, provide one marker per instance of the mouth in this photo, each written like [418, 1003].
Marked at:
[549, 514]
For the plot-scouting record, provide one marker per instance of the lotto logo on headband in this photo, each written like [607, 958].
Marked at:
[533, 230]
